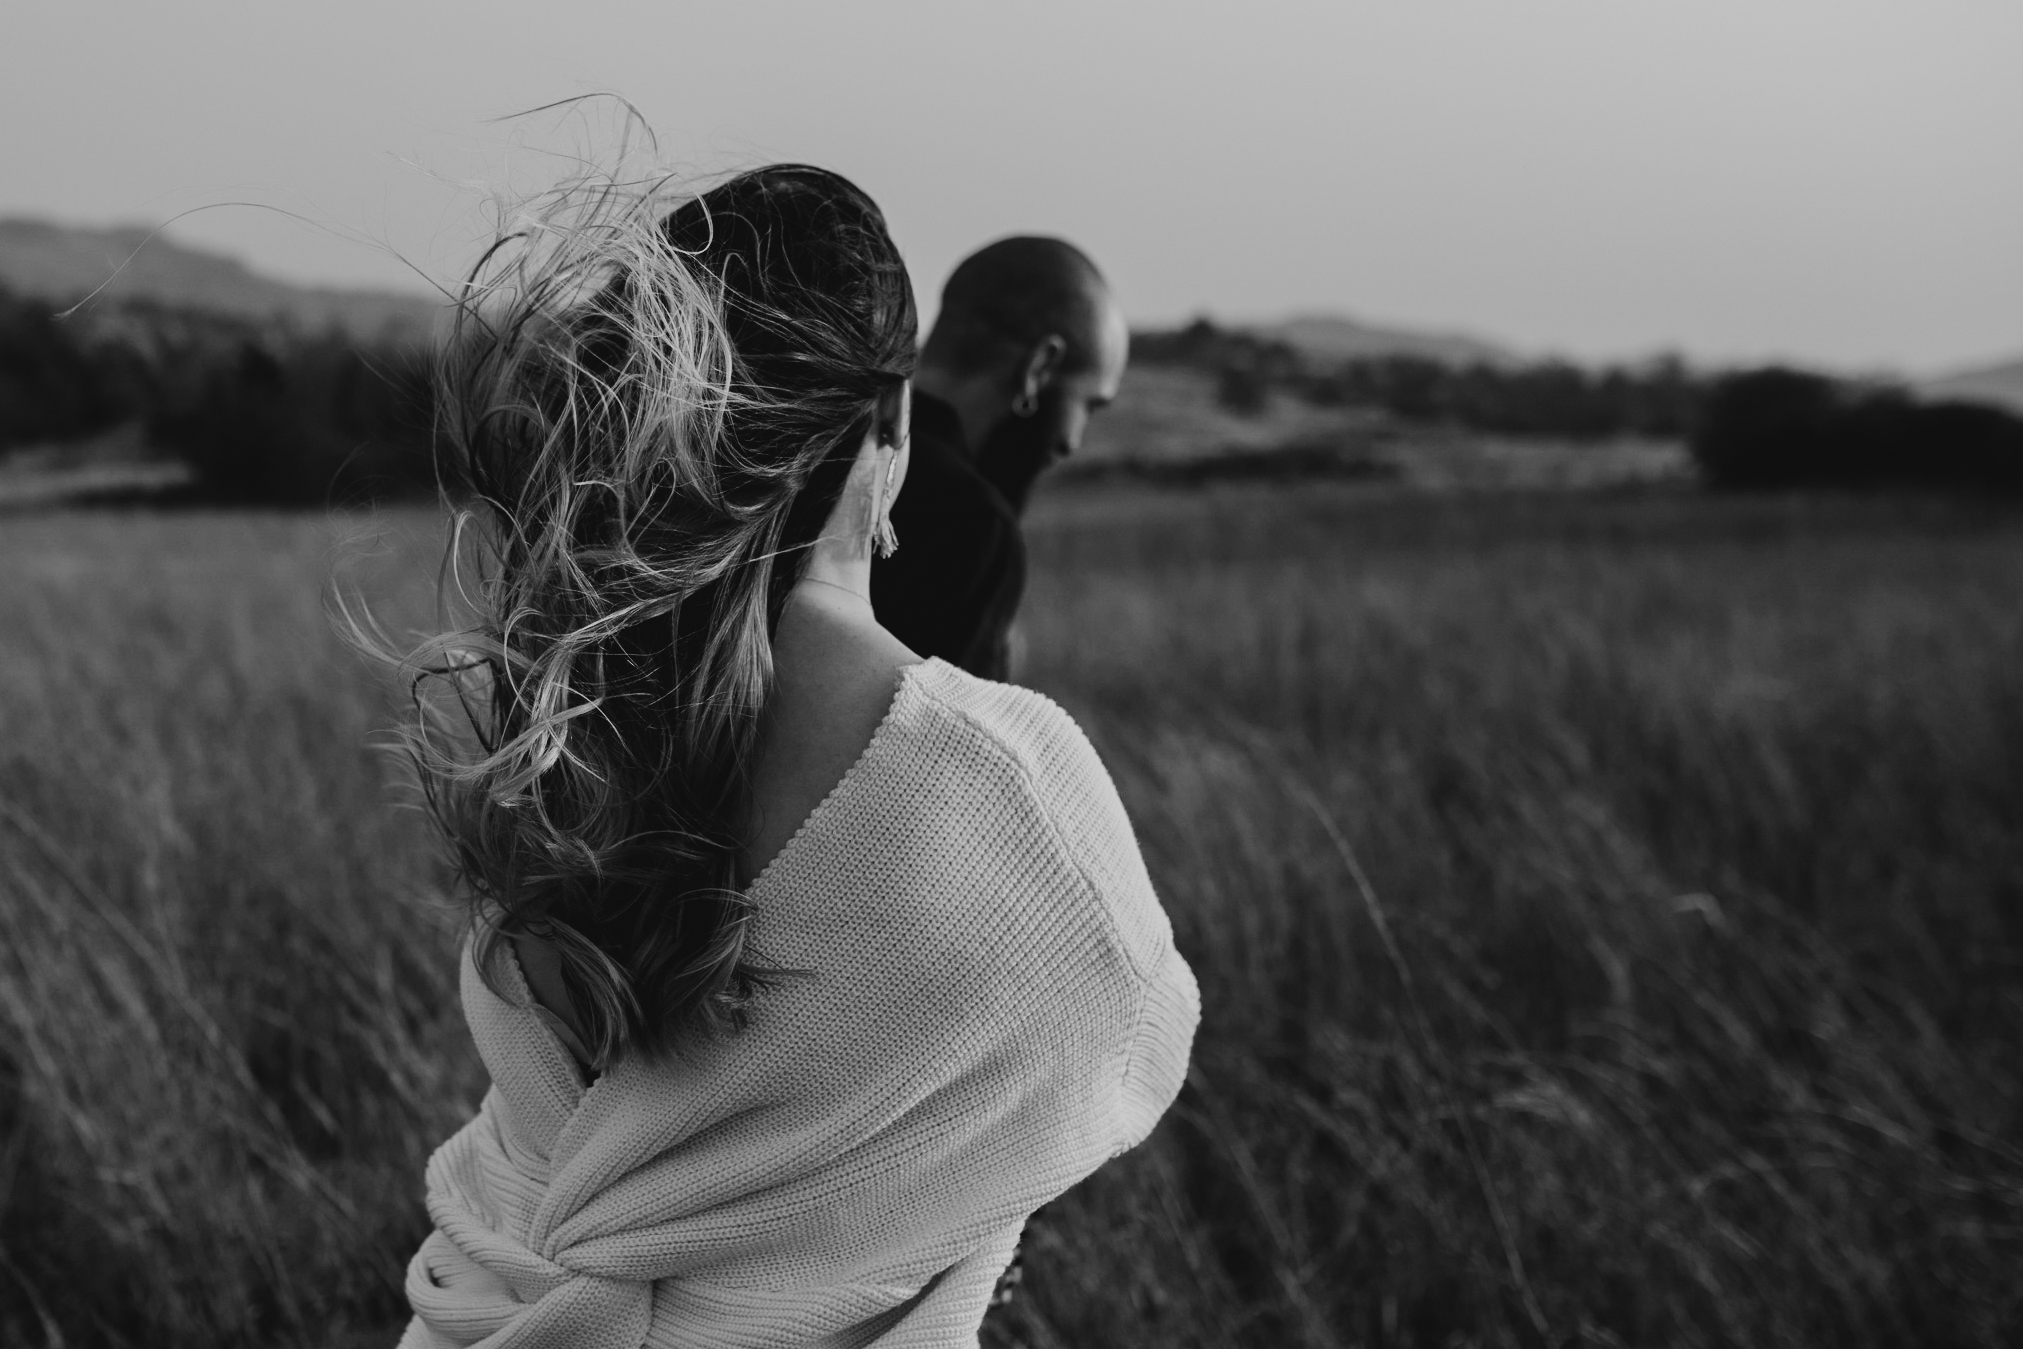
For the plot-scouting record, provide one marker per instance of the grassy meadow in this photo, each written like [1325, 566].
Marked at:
[1608, 910]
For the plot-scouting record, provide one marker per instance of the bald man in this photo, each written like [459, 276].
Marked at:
[1028, 346]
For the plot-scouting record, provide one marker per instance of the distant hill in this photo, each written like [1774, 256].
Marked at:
[2001, 385]
[64, 263]
[1331, 338]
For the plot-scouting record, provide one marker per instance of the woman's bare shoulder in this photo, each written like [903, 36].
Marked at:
[834, 682]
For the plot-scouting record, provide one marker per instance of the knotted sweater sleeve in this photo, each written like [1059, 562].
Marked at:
[990, 1006]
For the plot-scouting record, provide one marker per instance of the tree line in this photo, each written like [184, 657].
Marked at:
[1658, 398]
[267, 413]
[262, 412]
[1764, 429]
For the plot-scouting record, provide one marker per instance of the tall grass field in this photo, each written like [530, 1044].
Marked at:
[1608, 910]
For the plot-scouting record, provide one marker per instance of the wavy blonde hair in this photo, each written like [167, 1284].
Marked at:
[647, 414]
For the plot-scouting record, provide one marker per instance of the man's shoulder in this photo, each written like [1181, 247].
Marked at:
[943, 493]
[951, 588]
[941, 469]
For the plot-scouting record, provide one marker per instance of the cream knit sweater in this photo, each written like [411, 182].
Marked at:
[995, 1009]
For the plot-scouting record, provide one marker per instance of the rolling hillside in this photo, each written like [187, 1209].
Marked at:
[64, 263]
[1331, 338]
[2001, 385]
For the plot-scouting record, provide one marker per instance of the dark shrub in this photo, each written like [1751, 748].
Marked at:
[1761, 429]
[1241, 389]
[52, 386]
[306, 423]
[1776, 428]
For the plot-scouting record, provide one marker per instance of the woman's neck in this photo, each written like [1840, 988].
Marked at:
[836, 586]
[834, 672]
[828, 620]
[837, 566]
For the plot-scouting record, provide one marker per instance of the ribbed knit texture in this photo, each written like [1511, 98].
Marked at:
[995, 1009]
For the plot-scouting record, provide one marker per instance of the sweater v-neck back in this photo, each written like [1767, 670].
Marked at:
[907, 675]
[991, 1008]
[560, 1020]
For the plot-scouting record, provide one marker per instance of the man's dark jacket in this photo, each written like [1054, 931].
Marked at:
[953, 586]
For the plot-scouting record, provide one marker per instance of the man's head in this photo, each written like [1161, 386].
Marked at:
[1027, 346]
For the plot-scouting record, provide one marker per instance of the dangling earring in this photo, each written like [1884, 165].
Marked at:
[1025, 405]
[884, 539]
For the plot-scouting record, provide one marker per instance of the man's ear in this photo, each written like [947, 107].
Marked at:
[1038, 369]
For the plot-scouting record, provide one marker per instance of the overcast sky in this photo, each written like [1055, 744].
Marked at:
[1834, 180]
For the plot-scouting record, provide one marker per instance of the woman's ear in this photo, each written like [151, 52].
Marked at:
[902, 449]
[846, 535]
[895, 414]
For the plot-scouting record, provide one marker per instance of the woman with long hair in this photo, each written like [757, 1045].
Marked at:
[805, 970]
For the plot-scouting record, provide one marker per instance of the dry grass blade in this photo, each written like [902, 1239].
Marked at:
[1443, 1075]
[1550, 1099]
